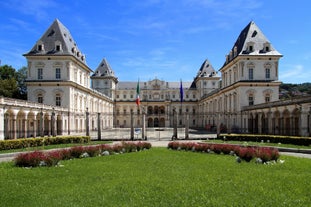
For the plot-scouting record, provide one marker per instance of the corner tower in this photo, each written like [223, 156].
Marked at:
[104, 79]
[250, 72]
[206, 79]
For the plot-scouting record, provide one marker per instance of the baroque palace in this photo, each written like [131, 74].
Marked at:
[65, 96]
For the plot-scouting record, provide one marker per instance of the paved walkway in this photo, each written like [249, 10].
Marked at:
[157, 143]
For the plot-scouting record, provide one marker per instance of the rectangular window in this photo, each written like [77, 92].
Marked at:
[251, 74]
[57, 73]
[40, 99]
[58, 101]
[40, 73]
[267, 98]
[250, 100]
[267, 73]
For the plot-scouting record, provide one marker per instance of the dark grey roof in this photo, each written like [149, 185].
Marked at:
[206, 70]
[104, 70]
[169, 85]
[57, 32]
[251, 34]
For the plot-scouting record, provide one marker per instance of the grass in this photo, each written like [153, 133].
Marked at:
[158, 177]
[260, 144]
[55, 146]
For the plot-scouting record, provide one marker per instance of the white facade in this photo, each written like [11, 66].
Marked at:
[61, 100]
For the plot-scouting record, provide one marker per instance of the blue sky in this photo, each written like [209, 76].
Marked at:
[167, 39]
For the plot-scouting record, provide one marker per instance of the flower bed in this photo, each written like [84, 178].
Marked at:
[52, 158]
[265, 154]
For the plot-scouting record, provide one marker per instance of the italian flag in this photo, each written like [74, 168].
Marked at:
[137, 94]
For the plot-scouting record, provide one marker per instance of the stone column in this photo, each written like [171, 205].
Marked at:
[25, 127]
[303, 124]
[269, 120]
[35, 122]
[259, 123]
[41, 124]
[14, 127]
[53, 124]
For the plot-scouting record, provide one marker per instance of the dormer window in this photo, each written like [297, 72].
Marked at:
[267, 47]
[250, 46]
[40, 47]
[235, 51]
[58, 46]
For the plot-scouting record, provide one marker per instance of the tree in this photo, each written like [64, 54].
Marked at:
[12, 83]
[21, 77]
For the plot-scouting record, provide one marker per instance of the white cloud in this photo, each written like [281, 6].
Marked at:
[295, 74]
[38, 9]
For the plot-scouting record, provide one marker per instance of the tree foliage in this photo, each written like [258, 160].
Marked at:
[12, 82]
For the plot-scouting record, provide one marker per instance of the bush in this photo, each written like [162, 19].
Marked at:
[31, 159]
[52, 158]
[246, 153]
[267, 154]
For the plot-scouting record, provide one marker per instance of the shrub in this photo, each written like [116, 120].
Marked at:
[52, 158]
[31, 159]
[267, 154]
[246, 153]
[217, 148]
[92, 151]
[76, 152]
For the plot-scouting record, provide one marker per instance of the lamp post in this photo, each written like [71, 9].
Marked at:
[87, 124]
[174, 124]
[144, 125]
[132, 126]
[53, 122]
[98, 127]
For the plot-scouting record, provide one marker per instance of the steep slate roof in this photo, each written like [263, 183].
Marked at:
[206, 70]
[57, 32]
[104, 70]
[132, 85]
[251, 34]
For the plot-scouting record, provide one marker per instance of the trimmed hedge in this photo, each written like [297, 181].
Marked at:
[35, 142]
[267, 138]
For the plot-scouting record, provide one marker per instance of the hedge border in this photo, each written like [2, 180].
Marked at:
[42, 141]
[306, 141]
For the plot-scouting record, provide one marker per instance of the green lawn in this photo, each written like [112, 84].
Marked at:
[158, 177]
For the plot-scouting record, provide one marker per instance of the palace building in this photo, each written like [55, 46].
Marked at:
[65, 96]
